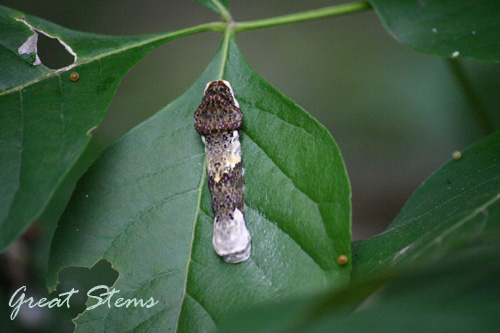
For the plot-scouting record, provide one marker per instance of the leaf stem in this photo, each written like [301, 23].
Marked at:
[224, 13]
[477, 108]
[212, 26]
[225, 50]
[337, 10]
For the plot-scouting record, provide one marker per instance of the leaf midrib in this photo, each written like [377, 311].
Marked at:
[483, 209]
[168, 36]
[439, 206]
[472, 214]
[195, 223]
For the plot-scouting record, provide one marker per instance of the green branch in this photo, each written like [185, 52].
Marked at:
[224, 13]
[338, 10]
[225, 50]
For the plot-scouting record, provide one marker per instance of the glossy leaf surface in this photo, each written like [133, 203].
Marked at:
[145, 207]
[459, 29]
[458, 203]
[46, 118]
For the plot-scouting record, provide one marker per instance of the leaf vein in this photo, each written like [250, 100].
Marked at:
[483, 209]
[283, 172]
[135, 219]
[206, 214]
[155, 315]
[147, 175]
[286, 233]
[437, 207]
[277, 117]
[201, 305]
[156, 277]
[264, 274]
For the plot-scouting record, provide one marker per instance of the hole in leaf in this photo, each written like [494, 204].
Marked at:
[52, 54]
[83, 279]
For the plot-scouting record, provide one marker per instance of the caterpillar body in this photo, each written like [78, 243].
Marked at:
[217, 120]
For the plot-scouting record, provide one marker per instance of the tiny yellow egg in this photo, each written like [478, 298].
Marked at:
[74, 76]
[342, 260]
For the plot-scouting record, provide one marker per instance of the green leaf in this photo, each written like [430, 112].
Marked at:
[457, 203]
[218, 6]
[465, 29]
[47, 118]
[145, 207]
[457, 293]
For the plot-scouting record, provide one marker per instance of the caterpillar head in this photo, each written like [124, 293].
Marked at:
[219, 111]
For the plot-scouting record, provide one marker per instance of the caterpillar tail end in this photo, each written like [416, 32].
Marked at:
[231, 238]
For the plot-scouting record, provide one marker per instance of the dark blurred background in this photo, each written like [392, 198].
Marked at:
[396, 114]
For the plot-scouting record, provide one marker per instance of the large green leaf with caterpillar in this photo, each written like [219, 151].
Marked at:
[145, 207]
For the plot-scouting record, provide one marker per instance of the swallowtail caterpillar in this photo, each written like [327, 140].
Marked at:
[217, 120]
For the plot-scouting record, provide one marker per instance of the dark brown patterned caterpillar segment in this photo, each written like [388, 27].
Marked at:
[226, 193]
[217, 120]
[218, 110]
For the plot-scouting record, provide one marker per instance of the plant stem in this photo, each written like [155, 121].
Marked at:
[214, 26]
[477, 108]
[225, 50]
[338, 10]
[224, 13]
